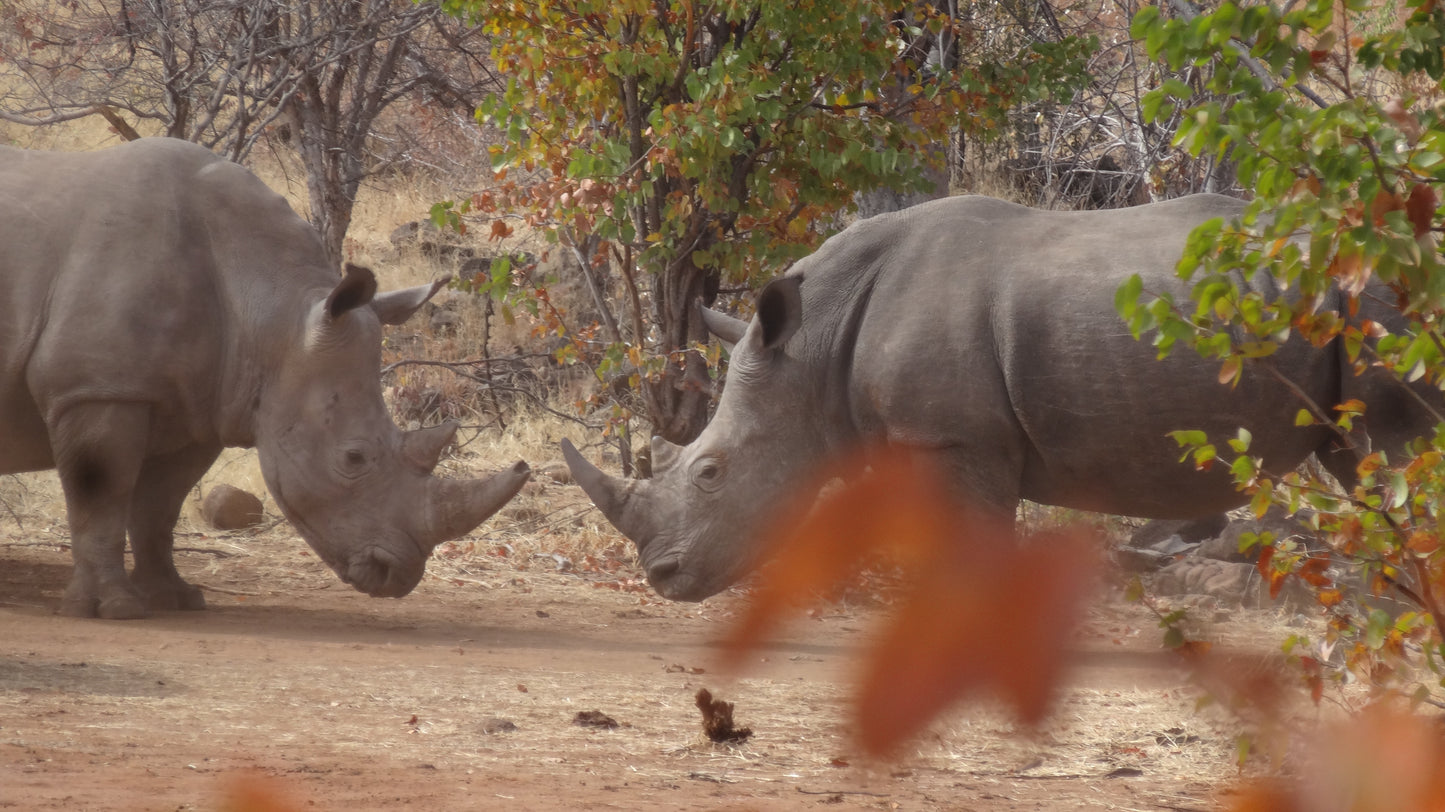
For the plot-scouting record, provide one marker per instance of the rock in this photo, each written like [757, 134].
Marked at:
[475, 271]
[1228, 582]
[226, 507]
[1282, 526]
[1163, 541]
[1189, 531]
[557, 471]
[444, 322]
[431, 241]
[494, 726]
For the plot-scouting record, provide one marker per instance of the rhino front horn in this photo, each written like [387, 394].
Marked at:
[457, 506]
[623, 502]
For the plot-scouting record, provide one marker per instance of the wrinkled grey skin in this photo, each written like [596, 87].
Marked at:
[981, 335]
[158, 304]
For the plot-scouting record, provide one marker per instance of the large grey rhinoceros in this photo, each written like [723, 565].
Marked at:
[157, 304]
[981, 334]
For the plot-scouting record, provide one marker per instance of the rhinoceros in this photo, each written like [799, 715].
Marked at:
[157, 304]
[981, 335]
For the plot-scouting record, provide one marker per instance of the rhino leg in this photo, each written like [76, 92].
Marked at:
[992, 488]
[160, 491]
[98, 452]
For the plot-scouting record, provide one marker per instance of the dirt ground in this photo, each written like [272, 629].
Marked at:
[464, 695]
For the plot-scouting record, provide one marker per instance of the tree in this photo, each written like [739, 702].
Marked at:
[227, 73]
[703, 147]
[1334, 114]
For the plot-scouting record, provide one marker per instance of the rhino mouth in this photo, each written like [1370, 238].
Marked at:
[668, 577]
[380, 574]
[373, 570]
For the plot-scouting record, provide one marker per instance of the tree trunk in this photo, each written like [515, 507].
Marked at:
[680, 398]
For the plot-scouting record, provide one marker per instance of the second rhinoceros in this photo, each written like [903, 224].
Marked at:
[983, 335]
[157, 304]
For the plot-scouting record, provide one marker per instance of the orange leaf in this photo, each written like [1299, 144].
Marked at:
[1313, 571]
[500, 230]
[1380, 760]
[993, 617]
[1266, 797]
[1420, 208]
[1266, 555]
[1276, 583]
[253, 792]
[1383, 204]
[985, 613]
[1423, 542]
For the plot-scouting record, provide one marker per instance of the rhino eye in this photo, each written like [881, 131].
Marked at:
[354, 462]
[708, 474]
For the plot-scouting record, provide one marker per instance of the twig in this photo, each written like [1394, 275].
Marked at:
[216, 553]
[1189, 12]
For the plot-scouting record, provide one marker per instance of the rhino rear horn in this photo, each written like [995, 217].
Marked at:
[727, 329]
[396, 306]
[423, 447]
[623, 502]
[664, 454]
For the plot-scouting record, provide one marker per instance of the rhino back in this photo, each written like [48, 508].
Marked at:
[989, 330]
[121, 284]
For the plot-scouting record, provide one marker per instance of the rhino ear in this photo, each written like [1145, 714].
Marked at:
[780, 310]
[396, 306]
[355, 289]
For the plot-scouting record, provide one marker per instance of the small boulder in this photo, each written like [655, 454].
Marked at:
[1279, 524]
[1188, 531]
[557, 471]
[229, 508]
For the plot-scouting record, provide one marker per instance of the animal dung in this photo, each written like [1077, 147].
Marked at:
[596, 719]
[717, 720]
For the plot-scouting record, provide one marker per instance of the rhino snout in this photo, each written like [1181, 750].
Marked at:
[381, 574]
[661, 572]
[667, 576]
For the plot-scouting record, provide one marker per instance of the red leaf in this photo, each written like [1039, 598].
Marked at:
[1313, 571]
[985, 613]
[253, 792]
[1262, 564]
[1420, 208]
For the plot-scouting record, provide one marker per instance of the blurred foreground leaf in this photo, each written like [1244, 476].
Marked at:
[986, 612]
[253, 792]
[1383, 760]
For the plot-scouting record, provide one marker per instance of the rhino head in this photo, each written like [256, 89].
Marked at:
[695, 523]
[359, 490]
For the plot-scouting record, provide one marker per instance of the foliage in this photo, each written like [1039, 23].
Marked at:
[1334, 113]
[701, 147]
[227, 74]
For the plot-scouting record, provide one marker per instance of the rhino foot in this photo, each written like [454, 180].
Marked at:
[120, 606]
[165, 595]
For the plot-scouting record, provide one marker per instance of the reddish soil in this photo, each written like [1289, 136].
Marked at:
[463, 696]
